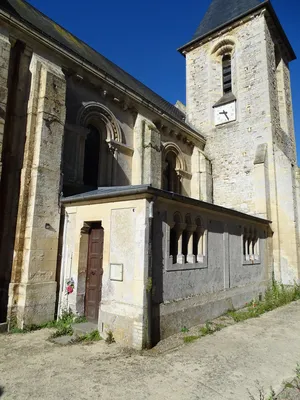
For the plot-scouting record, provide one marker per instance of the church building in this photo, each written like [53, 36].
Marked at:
[140, 215]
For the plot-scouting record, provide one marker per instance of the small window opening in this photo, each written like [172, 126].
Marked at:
[227, 74]
[91, 157]
[196, 238]
[173, 245]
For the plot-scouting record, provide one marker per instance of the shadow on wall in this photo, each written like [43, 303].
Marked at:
[1, 391]
[157, 295]
[4, 283]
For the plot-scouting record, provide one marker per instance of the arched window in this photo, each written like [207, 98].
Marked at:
[91, 157]
[227, 76]
[171, 179]
[98, 156]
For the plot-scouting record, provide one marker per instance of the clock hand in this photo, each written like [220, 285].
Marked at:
[224, 113]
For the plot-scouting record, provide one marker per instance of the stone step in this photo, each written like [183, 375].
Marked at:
[63, 340]
[84, 328]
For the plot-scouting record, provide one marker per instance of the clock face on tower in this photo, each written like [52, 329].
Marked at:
[225, 113]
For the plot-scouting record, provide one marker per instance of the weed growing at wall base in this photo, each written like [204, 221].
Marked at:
[276, 296]
[110, 338]
[91, 337]
[190, 339]
[63, 325]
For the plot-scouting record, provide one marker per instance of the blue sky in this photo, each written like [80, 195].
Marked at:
[142, 37]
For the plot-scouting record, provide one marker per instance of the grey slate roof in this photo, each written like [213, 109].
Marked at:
[224, 12]
[121, 191]
[220, 12]
[37, 21]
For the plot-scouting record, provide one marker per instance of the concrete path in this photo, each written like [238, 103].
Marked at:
[222, 366]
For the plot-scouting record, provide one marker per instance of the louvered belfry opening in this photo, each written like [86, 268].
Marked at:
[227, 76]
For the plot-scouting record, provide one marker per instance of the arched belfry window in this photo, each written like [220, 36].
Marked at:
[91, 157]
[227, 73]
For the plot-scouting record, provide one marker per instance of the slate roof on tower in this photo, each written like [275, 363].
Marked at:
[37, 21]
[221, 12]
[224, 12]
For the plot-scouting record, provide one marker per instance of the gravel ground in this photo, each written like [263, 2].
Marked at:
[224, 365]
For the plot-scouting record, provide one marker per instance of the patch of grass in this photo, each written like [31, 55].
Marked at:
[190, 339]
[219, 327]
[88, 338]
[207, 329]
[64, 324]
[15, 330]
[184, 330]
[276, 296]
[62, 331]
[66, 319]
[80, 320]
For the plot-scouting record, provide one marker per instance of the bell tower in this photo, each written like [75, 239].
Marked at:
[239, 98]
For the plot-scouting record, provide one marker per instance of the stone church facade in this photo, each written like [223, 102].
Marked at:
[143, 216]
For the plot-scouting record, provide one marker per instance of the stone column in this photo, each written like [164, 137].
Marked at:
[201, 184]
[200, 253]
[137, 160]
[32, 292]
[246, 239]
[147, 163]
[191, 258]
[4, 65]
[180, 227]
[112, 165]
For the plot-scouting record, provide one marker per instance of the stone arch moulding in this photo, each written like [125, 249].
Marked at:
[180, 161]
[93, 110]
[224, 46]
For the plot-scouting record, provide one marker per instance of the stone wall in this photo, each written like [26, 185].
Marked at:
[123, 307]
[32, 292]
[193, 290]
[4, 65]
[138, 150]
[232, 147]
[241, 179]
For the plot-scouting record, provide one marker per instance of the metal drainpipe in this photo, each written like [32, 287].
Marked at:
[150, 277]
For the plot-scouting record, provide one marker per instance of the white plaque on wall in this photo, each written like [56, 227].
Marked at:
[116, 272]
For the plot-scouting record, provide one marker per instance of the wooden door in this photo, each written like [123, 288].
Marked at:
[94, 273]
